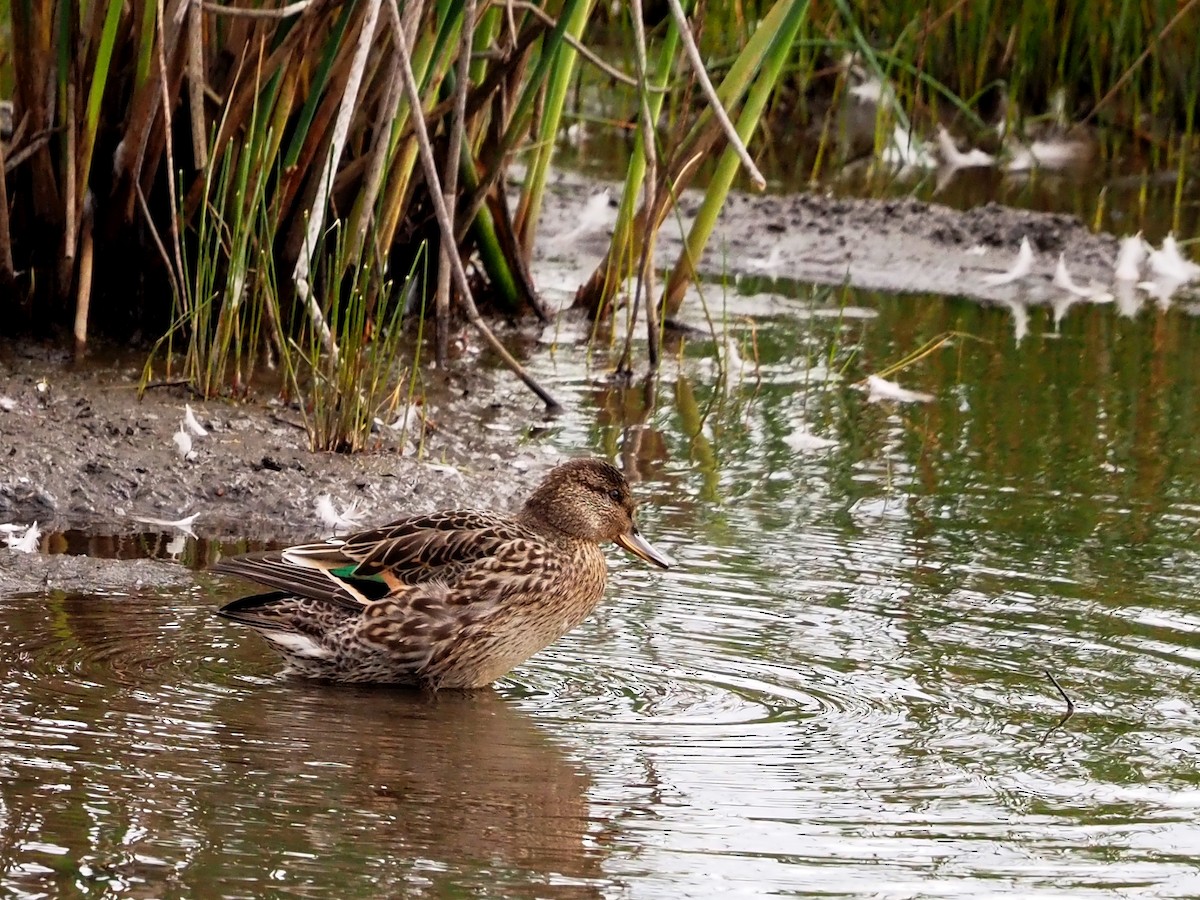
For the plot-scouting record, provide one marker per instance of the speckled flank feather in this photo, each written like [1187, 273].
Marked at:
[449, 600]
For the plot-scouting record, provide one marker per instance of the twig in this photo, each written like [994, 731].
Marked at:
[35, 144]
[1151, 46]
[579, 48]
[162, 250]
[291, 423]
[292, 9]
[644, 283]
[450, 182]
[316, 218]
[443, 216]
[1070, 706]
[930, 346]
[512, 23]
[693, 54]
[168, 142]
[7, 271]
[1062, 693]
[83, 297]
[646, 263]
[379, 154]
[70, 220]
[196, 82]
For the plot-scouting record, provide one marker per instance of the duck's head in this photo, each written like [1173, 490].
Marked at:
[590, 499]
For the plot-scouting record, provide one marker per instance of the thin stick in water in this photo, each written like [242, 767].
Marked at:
[1066, 697]
[1067, 715]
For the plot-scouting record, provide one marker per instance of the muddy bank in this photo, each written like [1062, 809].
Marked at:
[903, 246]
[33, 573]
[79, 451]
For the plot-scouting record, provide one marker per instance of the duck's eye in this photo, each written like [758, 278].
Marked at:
[615, 495]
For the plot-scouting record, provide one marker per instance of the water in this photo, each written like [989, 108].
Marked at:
[841, 690]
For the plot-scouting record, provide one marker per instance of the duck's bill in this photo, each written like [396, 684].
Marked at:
[643, 549]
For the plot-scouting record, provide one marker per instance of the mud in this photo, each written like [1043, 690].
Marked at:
[78, 450]
[35, 573]
[900, 246]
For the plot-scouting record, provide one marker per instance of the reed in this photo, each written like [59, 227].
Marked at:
[345, 396]
[222, 146]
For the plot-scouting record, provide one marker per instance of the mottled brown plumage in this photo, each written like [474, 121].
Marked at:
[452, 599]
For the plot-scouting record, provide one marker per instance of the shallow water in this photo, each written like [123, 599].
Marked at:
[841, 690]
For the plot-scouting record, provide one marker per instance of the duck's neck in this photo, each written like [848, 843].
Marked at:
[534, 517]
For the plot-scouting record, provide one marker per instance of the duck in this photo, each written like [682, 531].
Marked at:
[447, 600]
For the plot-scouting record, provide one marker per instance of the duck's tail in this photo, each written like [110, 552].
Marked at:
[295, 626]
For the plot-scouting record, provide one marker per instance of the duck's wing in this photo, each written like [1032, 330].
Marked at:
[272, 570]
[418, 549]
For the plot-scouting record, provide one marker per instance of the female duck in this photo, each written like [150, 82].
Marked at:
[452, 599]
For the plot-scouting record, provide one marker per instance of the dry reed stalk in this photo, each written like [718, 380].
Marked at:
[443, 217]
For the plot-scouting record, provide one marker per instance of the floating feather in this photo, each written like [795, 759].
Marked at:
[953, 158]
[184, 525]
[881, 389]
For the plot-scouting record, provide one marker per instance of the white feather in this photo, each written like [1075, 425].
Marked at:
[177, 544]
[1130, 257]
[1063, 280]
[953, 158]
[1020, 314]
[803, 441]
[1162, 289]
[772, 261]
[191, 423]
[871, 91]
[183, 443]
[882, 389]
[26, 541]
[906, 151]
[596, 215]
[183, 525]
[1020, 268]
[1129, 301]
[577, 134]
[1045, 155]
[297, 644]
[1171, 265]
[347, 520]
[1060, 305]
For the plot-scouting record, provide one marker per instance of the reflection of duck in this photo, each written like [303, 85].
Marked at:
[408, 786]
[449, 600]
[181, 780]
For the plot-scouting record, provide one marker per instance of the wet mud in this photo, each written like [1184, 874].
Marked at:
[899, 245]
